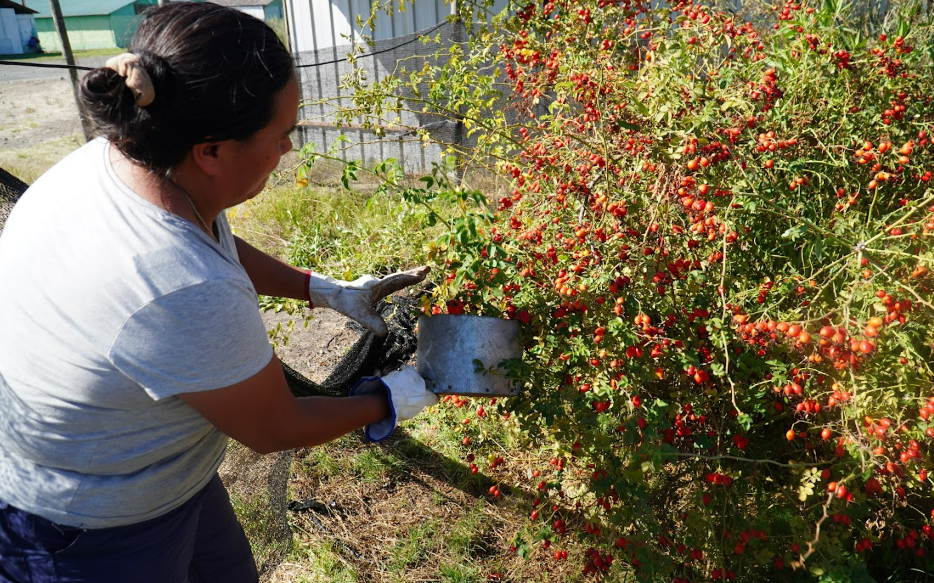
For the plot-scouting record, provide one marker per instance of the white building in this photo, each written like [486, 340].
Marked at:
[17, 28]
[322, 33]
[320, 24]
[262, 9]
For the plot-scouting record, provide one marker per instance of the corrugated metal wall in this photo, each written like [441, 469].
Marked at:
[323, 96]
[322, 33]
[10, 41]
[315, 25]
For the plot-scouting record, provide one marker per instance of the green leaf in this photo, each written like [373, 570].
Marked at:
[795, 233]
[818, 250]
[627, 126]
[729, 104]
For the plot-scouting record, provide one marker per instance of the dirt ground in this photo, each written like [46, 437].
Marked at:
[36, 111]
[39, 124]
[316, 349]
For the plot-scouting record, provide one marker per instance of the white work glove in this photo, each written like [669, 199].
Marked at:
[407, 395]
[357, 299]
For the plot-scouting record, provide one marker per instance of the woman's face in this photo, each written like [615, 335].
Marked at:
[251, 161]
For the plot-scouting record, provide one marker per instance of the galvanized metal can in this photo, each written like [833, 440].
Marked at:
[461, 354]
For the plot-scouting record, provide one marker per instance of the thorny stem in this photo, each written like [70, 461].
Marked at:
[726, 351]
[901, 220]
[742, 459]
[883, 271]
[800, 563]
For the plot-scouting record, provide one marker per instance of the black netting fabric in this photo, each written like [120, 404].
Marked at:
[11, 188]
[369, 355]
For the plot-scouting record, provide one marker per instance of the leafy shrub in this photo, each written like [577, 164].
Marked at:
[717, 240]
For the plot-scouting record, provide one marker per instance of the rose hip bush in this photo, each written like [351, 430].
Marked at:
[717, 239]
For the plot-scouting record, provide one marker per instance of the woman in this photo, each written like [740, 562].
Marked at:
[131, 345]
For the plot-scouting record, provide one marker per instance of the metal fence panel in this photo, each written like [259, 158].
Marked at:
[321, 91]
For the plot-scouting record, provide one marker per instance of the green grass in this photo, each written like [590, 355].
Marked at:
[374, 465]
[322, 562]
[459, 574]
[28, 164]
[416, 547]
[322, 462]
[340, 232]
[468, 537]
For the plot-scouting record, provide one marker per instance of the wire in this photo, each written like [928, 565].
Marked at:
[373, 54]
[46, 65]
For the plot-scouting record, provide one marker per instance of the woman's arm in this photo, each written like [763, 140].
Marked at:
[270, 276]
[262, 414]
[355, 299]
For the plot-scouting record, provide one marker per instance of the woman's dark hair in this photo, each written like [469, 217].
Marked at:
[215, 70]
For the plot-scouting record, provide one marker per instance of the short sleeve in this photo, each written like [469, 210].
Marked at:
[198, 338]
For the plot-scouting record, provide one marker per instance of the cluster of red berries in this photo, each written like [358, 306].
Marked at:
[766, 142]
[597, 562]
[768, 90]
[842, 59]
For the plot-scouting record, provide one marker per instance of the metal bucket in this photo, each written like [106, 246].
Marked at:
[449, 345]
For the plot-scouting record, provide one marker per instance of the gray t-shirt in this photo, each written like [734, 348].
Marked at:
[110, 307]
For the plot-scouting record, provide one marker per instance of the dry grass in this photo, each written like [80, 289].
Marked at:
[30, 163]
[403, 512]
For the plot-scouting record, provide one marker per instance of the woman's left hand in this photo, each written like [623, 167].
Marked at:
[407, 392]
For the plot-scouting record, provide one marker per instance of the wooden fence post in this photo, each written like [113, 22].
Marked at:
[70, 60]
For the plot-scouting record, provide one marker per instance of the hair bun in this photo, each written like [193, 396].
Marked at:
[102, 84]
[111, 105]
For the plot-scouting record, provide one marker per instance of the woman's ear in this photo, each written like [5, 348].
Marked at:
[207, 157]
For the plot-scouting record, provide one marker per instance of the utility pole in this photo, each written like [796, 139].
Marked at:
[70, 60]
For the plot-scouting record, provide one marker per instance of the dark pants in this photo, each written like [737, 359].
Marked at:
[199, 542]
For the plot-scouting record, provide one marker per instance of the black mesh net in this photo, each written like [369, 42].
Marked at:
[11, 188]
[370, 355]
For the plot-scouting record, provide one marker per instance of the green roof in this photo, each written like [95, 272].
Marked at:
[78, 7]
